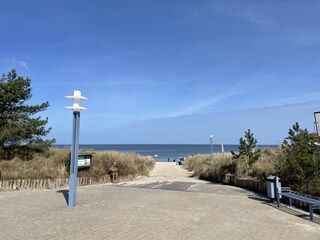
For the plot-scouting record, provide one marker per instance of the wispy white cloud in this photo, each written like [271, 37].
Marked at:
[239, 88]
[303, 98]
[23, 64]
[13, 62]
[200, 105]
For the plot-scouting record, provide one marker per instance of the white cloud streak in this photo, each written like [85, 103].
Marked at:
[303, 98]
[203, 104]
[239, 88]
[23, 64]
[13, 62]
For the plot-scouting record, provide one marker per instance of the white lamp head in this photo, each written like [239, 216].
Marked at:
[76, 101]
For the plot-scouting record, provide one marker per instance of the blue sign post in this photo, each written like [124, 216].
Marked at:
[211, 148]
[74, 147]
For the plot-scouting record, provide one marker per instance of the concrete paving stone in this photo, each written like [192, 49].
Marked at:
[156, 207]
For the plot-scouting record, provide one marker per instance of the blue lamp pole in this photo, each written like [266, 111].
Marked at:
[75, 146]
[211, 148]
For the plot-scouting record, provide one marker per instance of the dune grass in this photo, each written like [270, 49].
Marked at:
[55, 164]
[203, 167]
[269, 162]
[45, 165]
[127, 164]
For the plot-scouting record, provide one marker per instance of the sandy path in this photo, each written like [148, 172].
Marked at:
[169, 172]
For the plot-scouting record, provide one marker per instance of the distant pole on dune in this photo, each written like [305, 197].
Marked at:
[317, 122]
[211, 147]
[222, 147]
[74, 146]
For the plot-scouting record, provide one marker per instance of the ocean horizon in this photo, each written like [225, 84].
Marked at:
[161, 152]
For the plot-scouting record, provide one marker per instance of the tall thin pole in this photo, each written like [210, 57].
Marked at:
[211, 148]
[316, 122]
[74, 146]
[74, 160]
[222, 147]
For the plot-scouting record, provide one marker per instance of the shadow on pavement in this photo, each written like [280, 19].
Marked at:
[290, 210]
[65, 194]
[296, 212]
[259, 197]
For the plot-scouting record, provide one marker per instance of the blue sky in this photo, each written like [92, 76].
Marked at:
[168, 71]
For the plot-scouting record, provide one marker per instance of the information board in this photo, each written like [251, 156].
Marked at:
[84, 161]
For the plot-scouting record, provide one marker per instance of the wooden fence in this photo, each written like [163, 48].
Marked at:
[54, 183]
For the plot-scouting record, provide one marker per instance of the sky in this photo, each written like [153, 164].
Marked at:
[169, 71]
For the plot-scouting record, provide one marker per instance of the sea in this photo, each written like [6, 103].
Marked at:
[161, 152]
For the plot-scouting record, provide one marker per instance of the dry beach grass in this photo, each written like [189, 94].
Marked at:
[55, 164]
[269, 162]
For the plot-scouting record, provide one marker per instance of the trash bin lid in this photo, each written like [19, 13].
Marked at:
[270, 178]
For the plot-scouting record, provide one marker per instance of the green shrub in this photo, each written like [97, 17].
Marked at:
[302, 159]
[312, 187]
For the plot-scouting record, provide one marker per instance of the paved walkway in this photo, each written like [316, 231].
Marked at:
[167, 205]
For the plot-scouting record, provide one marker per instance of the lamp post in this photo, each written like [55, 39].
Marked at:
[317, 122]
[211, 148]
[75, 146]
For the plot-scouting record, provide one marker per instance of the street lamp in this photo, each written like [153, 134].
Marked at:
[75, 146]
[211, 147]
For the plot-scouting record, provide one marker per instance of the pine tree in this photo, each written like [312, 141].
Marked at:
[302, 158]
[248, 147]
[20, 134]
